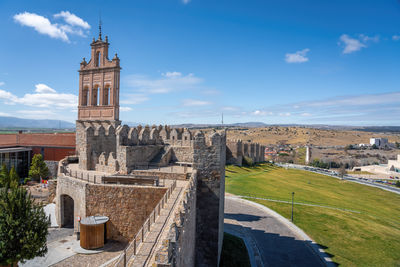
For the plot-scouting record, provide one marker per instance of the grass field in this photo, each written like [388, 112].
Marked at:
[369, 235]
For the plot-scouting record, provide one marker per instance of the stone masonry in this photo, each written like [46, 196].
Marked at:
[106, 148]
[236, 150]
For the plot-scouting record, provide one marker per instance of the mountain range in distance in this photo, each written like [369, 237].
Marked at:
[20, 123]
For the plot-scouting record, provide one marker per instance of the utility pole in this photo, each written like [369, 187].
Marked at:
[292, 204]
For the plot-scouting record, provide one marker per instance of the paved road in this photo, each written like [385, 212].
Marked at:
[271, 241]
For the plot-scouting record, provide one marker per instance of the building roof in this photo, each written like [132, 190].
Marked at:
[14, 149]
[38, 139]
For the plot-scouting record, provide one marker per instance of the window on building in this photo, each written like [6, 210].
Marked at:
[98, 59]
[106, 98]
[85, 97]
[98, 96]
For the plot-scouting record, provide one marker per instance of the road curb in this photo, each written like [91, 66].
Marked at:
[314, 247]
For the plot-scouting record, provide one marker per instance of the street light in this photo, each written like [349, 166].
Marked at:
[292, 204]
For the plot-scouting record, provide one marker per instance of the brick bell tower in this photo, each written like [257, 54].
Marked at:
[99, 85]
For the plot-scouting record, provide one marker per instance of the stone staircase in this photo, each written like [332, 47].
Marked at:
[146, 250]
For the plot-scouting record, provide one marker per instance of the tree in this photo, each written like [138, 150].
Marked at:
[4, 176]
[8, 179]
[342, 171]
[23, 226]
[38, 168]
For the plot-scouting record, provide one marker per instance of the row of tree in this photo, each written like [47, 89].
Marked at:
[23, 223]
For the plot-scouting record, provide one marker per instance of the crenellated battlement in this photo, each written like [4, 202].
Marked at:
[237, 150]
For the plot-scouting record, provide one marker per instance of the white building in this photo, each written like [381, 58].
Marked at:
[379, 142]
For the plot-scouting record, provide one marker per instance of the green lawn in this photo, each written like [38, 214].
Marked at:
[368, 238]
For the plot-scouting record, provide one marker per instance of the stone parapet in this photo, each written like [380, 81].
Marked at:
[178, 249]
[236, 150]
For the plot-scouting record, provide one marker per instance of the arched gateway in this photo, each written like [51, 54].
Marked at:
[67, 211]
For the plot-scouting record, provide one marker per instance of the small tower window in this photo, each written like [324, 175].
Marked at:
[95, 96]
[98, 59]
[106, 97]
[85, 98]
[98, 96]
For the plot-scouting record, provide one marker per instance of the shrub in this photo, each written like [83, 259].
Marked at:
[247, 161]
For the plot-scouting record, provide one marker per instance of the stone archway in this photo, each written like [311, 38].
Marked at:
[67, 211]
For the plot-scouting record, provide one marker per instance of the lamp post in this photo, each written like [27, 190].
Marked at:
[292, 204]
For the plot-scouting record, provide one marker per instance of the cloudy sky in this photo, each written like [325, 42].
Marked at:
[275, 61]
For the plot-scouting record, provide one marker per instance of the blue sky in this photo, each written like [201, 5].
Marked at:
[280, 61]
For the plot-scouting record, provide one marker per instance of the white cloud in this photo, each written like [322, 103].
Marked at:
[366, 38]
[396, 37]
[169, 82]
[193, 103]
[259, 113]
[3, 114]
[42, 88]
[72, 19]
[41, 25]
[230, 108]
[2, 83]
[123, 109]
[37, 114]
[359, 100]
[186, 1]
[298, 57]
[285, 114]
[44, 97]
[58, 31]
[133, 99]
[355, 44]
[172, 74]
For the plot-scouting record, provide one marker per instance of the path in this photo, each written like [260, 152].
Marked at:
[146, 250]
[271, 239]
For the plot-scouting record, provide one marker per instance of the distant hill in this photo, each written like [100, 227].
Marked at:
[13, 123]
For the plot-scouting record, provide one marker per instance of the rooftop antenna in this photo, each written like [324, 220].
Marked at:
[222, 121]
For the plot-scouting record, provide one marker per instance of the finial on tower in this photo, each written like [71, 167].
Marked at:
[99, 26]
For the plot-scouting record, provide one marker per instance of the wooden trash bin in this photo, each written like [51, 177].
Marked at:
[93, 232]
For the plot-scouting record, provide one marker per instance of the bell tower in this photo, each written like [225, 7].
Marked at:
[99, 84]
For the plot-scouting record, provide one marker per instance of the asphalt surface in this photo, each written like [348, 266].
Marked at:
[274, 243]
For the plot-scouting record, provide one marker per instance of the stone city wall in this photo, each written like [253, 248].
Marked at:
[178, 249]
[110, 147]
[162, 175]
[75, 189]
[127, 206]
[209, 162]
[52, 166]
[236, 150]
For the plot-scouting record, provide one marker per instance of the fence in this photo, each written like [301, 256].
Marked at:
[84, 176]
[131, 249]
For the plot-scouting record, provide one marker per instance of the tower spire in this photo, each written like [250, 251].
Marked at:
[99, 26]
